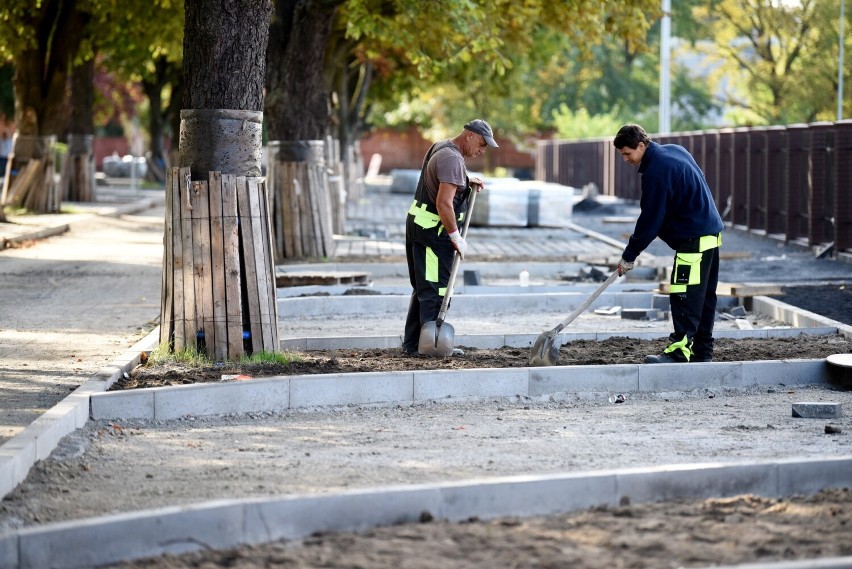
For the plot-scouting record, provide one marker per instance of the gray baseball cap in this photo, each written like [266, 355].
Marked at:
[479, 126]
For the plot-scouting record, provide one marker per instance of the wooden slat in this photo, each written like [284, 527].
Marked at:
[270, 262]
[201, 257]
[233, 284]
[179, 320]
[247, 240]
[261, 274]
[166, 306]
[217, 273]
[189, 305]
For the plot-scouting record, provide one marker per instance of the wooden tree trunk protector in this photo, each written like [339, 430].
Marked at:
[78, 169]
[30, 175]
[218, 273]
[301, 204]
[223, 140]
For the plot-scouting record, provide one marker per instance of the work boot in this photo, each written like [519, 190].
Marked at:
[663, 359]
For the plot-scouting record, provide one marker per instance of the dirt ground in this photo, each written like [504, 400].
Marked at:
[97, 292]
[580, 352]
[682, 534]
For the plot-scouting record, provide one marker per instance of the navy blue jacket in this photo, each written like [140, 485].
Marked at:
[676, 202]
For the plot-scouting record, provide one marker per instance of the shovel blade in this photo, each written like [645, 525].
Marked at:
[545, 352]
[436, 340]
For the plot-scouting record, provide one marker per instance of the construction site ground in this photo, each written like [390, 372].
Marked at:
[75, 301]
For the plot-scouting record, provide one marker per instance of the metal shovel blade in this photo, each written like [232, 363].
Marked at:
[545, 352]
[436, 340]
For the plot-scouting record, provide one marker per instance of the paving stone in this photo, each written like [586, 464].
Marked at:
[823, 410]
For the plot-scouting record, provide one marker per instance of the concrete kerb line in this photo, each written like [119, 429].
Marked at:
[228, 523]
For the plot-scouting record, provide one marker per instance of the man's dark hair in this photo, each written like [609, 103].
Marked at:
[630, 135]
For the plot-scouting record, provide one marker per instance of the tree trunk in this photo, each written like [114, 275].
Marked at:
[298, 117]
[218, 274]
[78, 168]
[166, 73]
[41, 75]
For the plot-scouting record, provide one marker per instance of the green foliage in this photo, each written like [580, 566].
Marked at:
[777, 61]
[283, 358]
[580, 124]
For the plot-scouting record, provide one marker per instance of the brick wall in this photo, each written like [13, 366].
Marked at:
[405, 149]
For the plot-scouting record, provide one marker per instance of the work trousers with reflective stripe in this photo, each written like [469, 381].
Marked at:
[430, 260]
[695, 276]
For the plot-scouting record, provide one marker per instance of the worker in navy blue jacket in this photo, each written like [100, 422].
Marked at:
[677, 206]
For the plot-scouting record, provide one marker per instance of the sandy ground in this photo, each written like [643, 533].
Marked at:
[105, 280]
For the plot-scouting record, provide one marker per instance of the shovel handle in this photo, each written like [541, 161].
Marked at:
[579, 310]
[456, 261]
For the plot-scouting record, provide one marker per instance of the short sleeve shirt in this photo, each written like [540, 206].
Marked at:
[446, 165]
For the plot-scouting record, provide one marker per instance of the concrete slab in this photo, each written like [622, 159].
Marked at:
[817, 410]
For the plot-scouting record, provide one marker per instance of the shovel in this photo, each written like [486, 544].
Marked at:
[436, 337]
[545, 351]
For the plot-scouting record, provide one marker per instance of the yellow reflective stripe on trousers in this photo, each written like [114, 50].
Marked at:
[422, 217]
[431, 265]
[677, 288]
[685, 347]
[708, 242]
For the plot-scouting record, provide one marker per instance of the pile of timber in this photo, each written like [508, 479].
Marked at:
[218, 270]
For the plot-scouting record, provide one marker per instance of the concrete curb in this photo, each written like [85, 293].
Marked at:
[795, 316]
[37, 441]
[412, 387]
[228, 523]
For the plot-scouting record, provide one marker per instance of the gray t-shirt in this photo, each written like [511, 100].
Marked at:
[446, 165]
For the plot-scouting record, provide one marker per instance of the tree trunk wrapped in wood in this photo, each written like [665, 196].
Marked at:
[30, 181]
[301, 205]
[78, 169]
[218, 274]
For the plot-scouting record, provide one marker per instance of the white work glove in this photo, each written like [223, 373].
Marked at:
[459, 244]
[624, 266]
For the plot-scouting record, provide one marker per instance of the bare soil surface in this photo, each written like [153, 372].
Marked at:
[616, 350]
[680, 534]
[72, 304]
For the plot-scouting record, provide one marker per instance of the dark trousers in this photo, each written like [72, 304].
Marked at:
[426, 297]
[694, 311]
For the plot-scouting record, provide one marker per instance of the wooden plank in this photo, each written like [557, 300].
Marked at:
[233, 284]
[179, 320]
[733, 289]
[189, 307]
[320, 278]
[166, 307]
[247, 240]
[261, 274]
[217, 271]
[201, 261]
[265, 203]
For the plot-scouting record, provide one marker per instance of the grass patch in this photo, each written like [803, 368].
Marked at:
[162, 356]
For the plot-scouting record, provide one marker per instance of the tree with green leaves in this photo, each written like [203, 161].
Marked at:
[777, 60]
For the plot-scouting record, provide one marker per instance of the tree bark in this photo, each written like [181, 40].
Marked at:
[224, 53]
[297, 103]
[41, 75]
[78, 172]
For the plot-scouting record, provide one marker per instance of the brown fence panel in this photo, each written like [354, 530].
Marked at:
[710, 163]
[821, 202]
[739, 178]
[756, 205]
[798, 181]
[776, 180]
[843, 187]
[726, 172]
